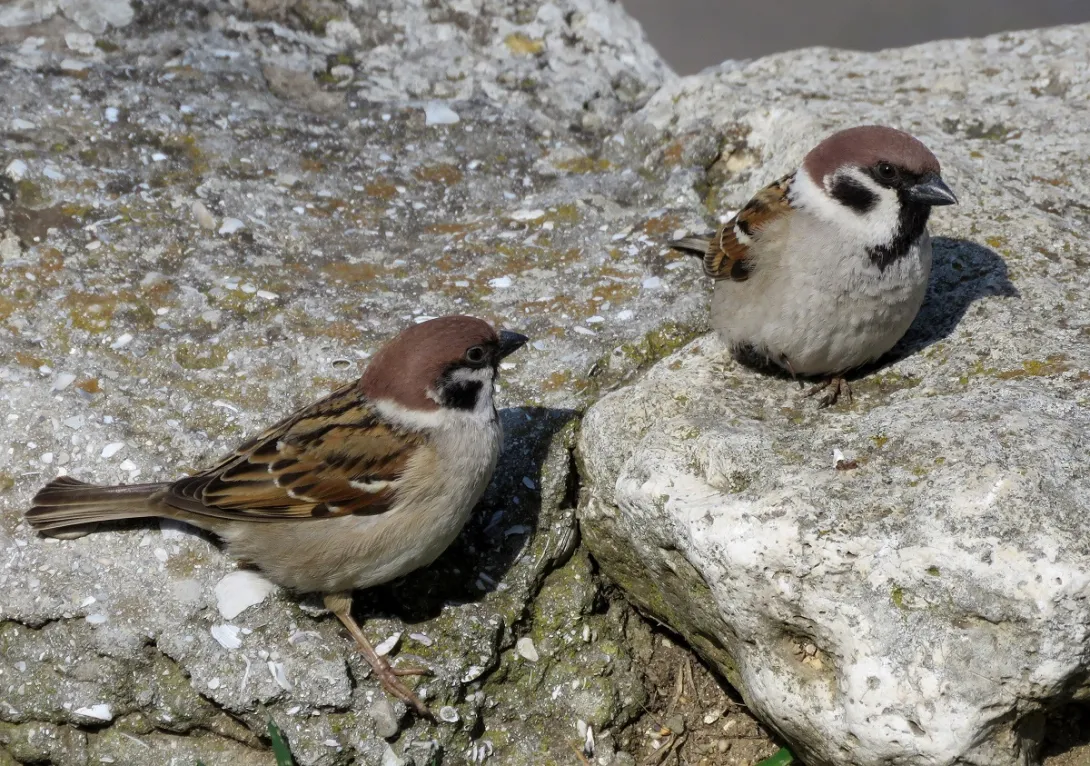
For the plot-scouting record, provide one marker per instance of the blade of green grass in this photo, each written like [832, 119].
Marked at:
[783, 757]
[280, 745]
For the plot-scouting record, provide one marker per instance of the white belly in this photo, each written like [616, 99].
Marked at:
[821, 315]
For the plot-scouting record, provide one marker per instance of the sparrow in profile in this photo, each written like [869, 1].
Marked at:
[364, 486]
[824, 270]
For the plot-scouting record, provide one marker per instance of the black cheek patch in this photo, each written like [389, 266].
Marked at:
[462, 394]
[853, 194]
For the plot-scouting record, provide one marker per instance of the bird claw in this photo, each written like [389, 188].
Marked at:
[838, 385]
[389, 677]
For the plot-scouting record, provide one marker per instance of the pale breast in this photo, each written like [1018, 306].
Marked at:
[823, 310]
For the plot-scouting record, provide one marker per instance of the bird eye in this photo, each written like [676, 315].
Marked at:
[476, 355]
[886, 171]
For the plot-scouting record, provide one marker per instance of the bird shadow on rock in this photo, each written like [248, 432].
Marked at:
[495, 537]
[962, 272]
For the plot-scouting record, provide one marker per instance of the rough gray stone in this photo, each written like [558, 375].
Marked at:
[363, 206]
[903, 579]
[194, 248]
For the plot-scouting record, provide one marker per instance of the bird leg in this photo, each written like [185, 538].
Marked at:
[790, 368]
[839, 386]
[341, 605]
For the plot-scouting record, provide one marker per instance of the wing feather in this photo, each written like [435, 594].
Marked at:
[729, 253]
[333, 458]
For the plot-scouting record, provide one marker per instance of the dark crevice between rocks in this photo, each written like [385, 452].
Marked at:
[682, 688]
[568, 504]
[1066, 734]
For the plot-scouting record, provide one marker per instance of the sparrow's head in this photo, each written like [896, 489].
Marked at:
[876, 183]
[445, 363]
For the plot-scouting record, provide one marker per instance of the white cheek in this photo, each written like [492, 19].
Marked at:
[878, 226]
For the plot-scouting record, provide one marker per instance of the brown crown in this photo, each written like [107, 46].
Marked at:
[866, 146]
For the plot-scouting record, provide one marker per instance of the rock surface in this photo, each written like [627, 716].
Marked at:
[903, 580]
[213, 212]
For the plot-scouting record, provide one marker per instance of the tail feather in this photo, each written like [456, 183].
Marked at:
[697, 246]
[66, 502]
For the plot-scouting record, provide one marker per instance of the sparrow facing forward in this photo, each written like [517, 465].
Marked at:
[824, 270]
[364, 486]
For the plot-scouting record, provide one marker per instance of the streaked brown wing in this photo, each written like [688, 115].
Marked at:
[729, 251]
[333, 458]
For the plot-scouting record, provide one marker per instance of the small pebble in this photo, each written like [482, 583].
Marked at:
[382, 713]
[204, 217]
[240, 590]
[526, 649]
[16, 170]
[112, 449]
[391, 758]
[527, 215]
[279, 675]
[100, 712]
[230, 226]
[227, 636]
[388, 645]
[436, 113]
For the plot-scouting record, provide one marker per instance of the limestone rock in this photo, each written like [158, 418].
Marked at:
[542, 208]
[904, 579]
[338, 228]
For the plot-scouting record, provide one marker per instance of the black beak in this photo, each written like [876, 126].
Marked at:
[510, 342]
[932, 190]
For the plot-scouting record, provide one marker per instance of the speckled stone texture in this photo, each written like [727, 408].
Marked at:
[213, 212]
[904, 580]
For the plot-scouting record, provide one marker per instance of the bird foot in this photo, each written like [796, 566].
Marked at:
[389, 676]
[838, 386]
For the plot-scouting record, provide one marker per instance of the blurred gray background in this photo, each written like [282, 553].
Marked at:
[693, 34]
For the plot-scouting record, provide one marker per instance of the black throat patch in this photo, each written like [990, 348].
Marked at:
[910, 225]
